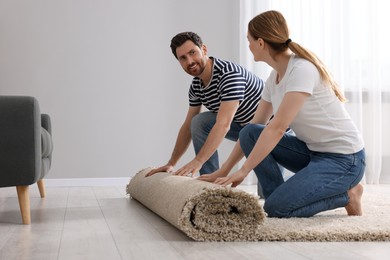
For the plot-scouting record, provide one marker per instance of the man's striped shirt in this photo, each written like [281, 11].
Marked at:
[229, 81]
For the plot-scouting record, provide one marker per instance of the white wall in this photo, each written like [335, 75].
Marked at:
[104, 71]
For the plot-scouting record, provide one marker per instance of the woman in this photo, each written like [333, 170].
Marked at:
[326, 153]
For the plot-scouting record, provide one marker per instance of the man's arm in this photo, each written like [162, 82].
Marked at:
[183, 140]
[224, 119]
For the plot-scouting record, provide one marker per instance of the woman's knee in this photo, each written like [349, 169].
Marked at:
[251, 131]
[248, 137]
[273, 210]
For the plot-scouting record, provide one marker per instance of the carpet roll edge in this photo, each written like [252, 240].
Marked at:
[236, 231]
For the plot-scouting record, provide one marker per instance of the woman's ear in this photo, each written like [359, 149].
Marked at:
[261, 42]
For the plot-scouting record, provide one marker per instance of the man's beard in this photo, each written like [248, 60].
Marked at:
[198, 71]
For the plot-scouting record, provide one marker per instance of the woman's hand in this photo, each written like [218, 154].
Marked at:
[234, 179]
[166, 168]
[213, 176]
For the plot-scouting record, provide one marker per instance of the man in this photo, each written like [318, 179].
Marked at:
[227, 90]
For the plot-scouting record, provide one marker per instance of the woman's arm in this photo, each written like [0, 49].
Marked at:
[262, 115]
[270, 137]
[235, 156]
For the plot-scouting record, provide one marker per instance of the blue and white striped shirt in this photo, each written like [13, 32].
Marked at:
[229, 81]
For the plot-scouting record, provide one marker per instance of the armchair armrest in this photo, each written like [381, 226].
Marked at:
[46, 122]
[20, 140]
[47, 143]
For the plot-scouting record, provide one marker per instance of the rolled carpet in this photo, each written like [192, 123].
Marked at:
[202, 210]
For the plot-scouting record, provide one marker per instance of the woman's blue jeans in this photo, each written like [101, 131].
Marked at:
[321, 180]
[201, 126]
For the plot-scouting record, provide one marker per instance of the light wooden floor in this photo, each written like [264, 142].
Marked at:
[102, 223]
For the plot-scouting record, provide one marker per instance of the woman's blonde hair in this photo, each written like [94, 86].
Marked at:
[272, 28]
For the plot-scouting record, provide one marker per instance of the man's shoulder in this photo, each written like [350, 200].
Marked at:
[225, 63]
[228, 67]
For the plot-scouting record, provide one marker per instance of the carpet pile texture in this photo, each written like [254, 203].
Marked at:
[209, 212]
[204, 211]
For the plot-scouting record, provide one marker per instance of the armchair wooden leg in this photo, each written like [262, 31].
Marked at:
[41, 187]
[24, 203]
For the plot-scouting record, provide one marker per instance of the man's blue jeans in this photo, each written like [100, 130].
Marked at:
[201, 126]
[321, 180]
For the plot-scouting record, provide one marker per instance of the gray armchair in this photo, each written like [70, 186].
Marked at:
[25, 147]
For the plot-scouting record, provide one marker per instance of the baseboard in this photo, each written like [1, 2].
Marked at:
[94, 182]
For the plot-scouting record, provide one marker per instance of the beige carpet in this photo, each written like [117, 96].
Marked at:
[208, 212]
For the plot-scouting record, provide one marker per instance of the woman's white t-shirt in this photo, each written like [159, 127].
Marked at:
[323, 122]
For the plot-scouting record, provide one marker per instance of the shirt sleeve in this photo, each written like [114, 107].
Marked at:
[266, 95]
[232, 86]
[194, 100]
[303, 77]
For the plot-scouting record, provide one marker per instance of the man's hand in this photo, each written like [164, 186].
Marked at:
[166, 168]
[234, 179]
[190, 168]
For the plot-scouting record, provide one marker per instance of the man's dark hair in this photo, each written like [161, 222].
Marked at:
[181, 38]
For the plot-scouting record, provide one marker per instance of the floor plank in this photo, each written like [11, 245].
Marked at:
[103, 223]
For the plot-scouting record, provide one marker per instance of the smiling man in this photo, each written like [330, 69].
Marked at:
[229, 92]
